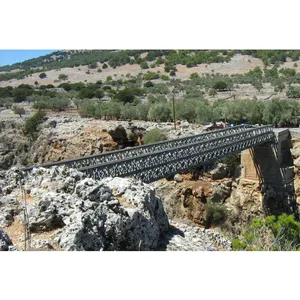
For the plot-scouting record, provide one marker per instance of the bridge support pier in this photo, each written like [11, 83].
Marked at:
[272, 166]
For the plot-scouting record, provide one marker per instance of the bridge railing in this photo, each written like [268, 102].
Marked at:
[122, 154]
[153, 166]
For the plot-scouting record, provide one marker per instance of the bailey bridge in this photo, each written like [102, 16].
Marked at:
[163, 159]
[265, 157]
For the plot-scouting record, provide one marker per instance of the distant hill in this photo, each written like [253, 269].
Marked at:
[92, 65]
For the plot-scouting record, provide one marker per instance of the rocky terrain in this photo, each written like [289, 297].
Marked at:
[64, 210]
[66, 137]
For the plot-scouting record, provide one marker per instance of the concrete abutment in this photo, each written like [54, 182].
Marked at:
[271, 164]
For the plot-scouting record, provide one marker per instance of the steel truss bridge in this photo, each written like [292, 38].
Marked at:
[163, 159]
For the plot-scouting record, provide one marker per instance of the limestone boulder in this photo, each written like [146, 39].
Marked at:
[5, 241]
[219, 172]
[111, 214]
[9, 207]
[221, 191]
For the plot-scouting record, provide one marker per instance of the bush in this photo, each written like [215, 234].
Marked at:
[212, 92]
[275, 233]
[92, 66]
[63, 77]
[150, 76]
[31, 124]
[215, 213]
[172, 73]
[194, 76]
[154, 136]
[18, 110]
[43, 75]
[164, 77]
[148, 84]
[144, 65]
[293, 92]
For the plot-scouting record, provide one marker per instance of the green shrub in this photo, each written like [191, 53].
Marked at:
[164, 77]
[132, 137]
[43, 75]
[18, 110]
[148, 84]
[150, 75]
[31, 124]
[154, 136]
[275, 233]
[144, 65]
[215, 213]
[63, 77]
[220, 85]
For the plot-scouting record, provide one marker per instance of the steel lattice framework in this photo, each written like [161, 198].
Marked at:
[153, 166]
[118, 155]
[156, 161]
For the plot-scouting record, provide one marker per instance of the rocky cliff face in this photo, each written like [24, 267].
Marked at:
[65, 137]
[13, 145]
[59, 138]
[67, 211]
[84, 214]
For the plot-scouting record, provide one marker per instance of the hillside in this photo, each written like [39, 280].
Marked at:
[140, 84]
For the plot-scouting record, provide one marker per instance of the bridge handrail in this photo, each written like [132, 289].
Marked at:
[134, 151]
[267, 129]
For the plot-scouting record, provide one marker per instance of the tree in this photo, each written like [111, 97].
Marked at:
[220, 86]
[86, 93]
[104, 66]
[127, 95]
[160, 112]
[43, 75]
[63, 77]
[66, 86]
[87, 109]
[58, 104]
[20, 93]
[128, 112]
[18, 110]
[77, 102]
[99, 94]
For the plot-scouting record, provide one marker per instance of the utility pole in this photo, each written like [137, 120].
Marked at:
[173, 100]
